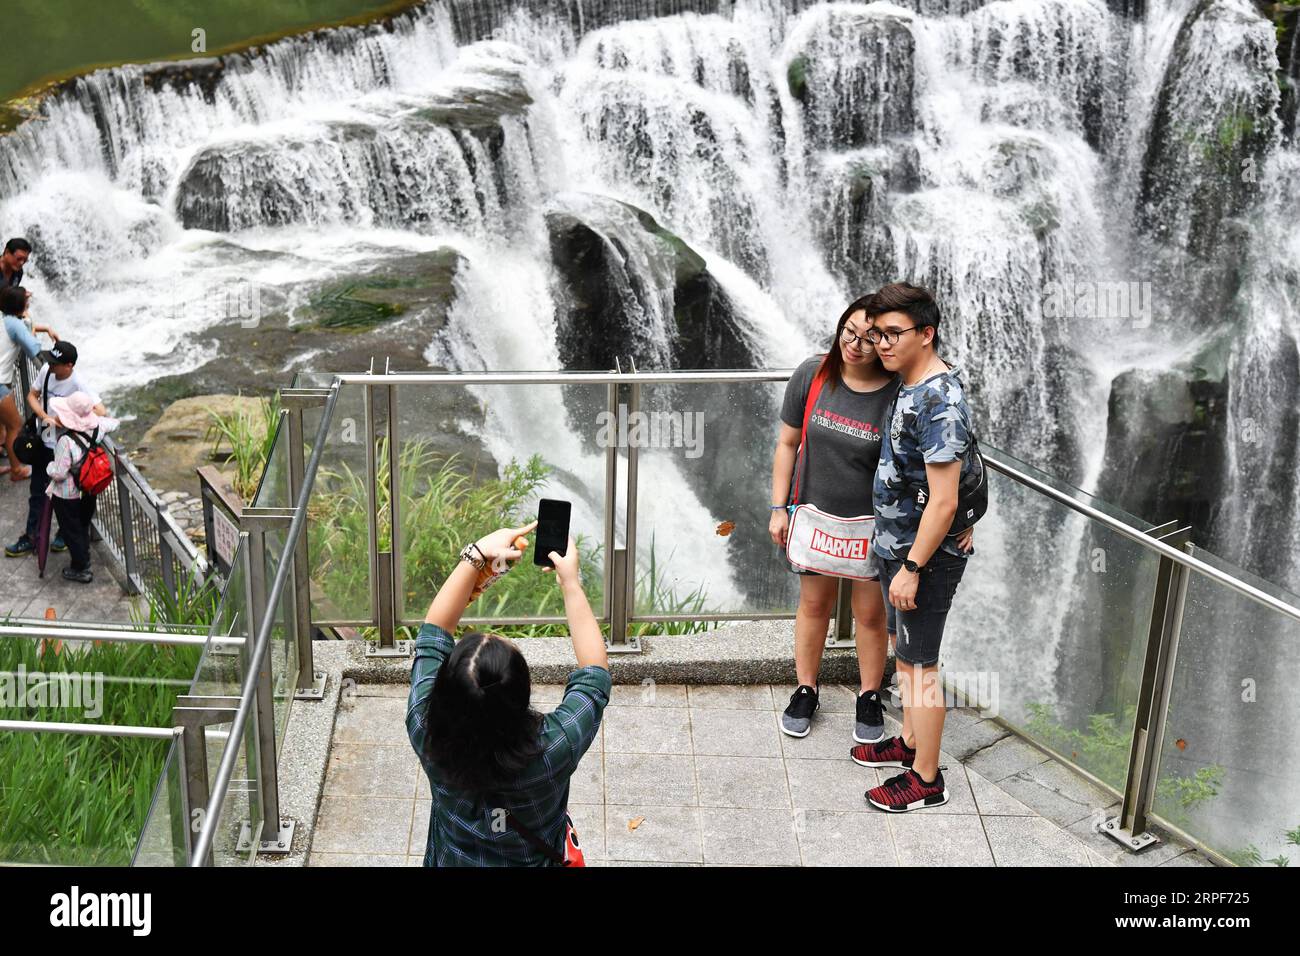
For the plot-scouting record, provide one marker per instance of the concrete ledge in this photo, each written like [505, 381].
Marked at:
[749, 652]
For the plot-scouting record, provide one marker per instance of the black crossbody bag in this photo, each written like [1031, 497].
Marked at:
[29, 439]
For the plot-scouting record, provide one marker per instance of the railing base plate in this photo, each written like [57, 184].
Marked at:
[279, 845]
[631, 646]
[315, 692]
[402, 648]
[1126, 839]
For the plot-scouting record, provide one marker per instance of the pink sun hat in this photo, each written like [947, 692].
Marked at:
[76, 412]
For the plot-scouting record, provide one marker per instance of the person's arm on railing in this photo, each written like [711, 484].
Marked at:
[453, 597]
[787, 448]
[21, 337]
[588, 643]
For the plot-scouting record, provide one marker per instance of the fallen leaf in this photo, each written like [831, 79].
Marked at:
[1180, 743]
[726, 528]
[634, 823]
[50, 614]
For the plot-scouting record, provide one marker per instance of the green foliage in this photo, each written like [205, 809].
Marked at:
[1103, 750]
[442, 507]
[193, 606]
[249, 438]
[797, 76]
[75, 800]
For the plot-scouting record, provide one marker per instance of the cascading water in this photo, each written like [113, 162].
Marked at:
[706, 183]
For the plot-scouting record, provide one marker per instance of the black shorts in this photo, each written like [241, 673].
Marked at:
[920, 631]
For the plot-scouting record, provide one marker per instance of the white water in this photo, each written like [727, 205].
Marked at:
[1002, 145]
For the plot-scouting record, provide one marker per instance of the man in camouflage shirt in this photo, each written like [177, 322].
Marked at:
[922, 459]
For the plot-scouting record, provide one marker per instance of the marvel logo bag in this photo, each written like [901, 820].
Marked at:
[831, 545]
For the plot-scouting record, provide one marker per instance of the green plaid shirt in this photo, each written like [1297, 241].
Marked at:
[461, 830]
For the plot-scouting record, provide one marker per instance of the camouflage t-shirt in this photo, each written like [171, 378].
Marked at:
[931, 424]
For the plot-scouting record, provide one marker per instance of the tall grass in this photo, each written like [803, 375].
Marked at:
[244, 439]
[76, 800]
[442, 507]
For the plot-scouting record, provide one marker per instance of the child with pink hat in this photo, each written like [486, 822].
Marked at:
[80, 427]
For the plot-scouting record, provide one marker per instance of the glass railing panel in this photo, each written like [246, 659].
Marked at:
[1230, 755]
[75, 800]
[1048, 627]
[704, 466]
[163, 842]
[475, 459]
[338, 530]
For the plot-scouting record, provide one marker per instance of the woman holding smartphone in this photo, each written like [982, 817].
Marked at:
[836, 474]
[498, 770]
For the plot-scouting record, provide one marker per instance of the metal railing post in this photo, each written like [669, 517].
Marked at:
[310, 684]
[387, 560]
[126, 511]
[165, 564]
[611, 505]
[1129, 828]
[277, 833]
[623, 606]
[842, 633]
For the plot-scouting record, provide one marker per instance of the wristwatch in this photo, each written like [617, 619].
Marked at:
[912, 566]
[473, 555]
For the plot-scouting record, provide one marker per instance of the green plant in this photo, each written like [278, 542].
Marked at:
[249, 439]
[1103, 749]
[83, 800]
[442, 507]
[194, 604]
[1250, 856]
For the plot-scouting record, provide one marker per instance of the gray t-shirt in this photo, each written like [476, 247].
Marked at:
[843, 441]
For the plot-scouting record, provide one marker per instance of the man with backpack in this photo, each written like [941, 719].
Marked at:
[57, 379]
[79, 472]
[927, 458]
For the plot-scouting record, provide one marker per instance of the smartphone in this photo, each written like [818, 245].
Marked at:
[552, 530]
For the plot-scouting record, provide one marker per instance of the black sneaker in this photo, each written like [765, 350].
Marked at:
[20, 548]
[58, 545]
[81, 577]
[797, 719]
[869, 727]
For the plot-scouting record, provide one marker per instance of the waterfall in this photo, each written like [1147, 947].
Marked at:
[738, 170]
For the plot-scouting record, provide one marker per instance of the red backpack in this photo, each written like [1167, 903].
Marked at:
[95, 470]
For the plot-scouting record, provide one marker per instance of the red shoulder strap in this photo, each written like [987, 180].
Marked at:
[814, 392]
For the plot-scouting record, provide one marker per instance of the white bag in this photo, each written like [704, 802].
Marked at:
[831, 545]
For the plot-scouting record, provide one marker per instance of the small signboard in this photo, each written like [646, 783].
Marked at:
[222, 509]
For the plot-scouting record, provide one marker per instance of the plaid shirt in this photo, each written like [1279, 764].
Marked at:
[461, 825]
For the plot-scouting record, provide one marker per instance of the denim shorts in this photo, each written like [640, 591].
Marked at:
[920, 631]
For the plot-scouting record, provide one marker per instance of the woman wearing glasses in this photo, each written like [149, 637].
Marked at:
[835, 472]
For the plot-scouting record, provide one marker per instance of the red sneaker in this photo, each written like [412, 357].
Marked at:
[883, 753]
[908, 791]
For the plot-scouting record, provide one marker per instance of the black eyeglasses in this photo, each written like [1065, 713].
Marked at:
[848, 338]
[889, 335]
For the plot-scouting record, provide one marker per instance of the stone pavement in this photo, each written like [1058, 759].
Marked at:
[24, 594]
[701, 775]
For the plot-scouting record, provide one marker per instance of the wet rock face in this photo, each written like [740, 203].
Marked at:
[631, 288]
[853, 73]
[1215, 120]
[1177, 417]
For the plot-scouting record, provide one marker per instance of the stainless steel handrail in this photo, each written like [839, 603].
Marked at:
[88, 730]
[261, 646]
[114, 635]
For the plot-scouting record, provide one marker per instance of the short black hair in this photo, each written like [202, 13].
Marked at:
[13, 300]
[914, 301]
[18, 245]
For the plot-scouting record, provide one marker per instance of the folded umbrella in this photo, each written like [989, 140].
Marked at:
[43, 535]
